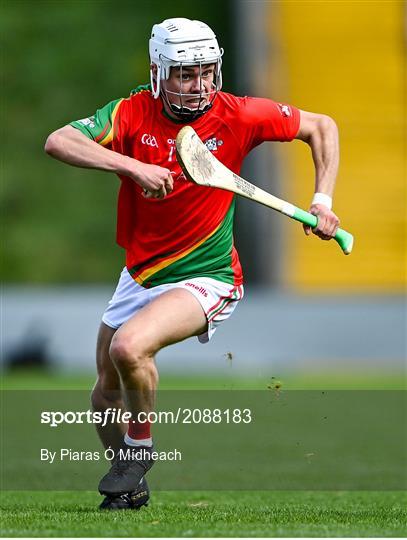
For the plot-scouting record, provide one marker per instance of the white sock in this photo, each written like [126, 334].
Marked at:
[138, 442]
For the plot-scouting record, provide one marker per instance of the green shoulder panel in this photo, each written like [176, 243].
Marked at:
[141, 88]
[100, 126]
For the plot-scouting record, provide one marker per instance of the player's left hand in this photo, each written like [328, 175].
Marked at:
[328, 222]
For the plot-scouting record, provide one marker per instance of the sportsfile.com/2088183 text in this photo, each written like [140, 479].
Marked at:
[177, 416]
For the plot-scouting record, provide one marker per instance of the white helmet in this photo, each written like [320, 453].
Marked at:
[181, 42]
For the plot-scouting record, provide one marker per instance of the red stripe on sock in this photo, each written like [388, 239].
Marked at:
[139, 430]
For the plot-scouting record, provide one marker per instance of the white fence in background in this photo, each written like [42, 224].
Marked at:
[268, 333]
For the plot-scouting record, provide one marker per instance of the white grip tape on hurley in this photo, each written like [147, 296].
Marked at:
[288, 209]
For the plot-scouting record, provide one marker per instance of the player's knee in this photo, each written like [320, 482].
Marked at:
[129, 354]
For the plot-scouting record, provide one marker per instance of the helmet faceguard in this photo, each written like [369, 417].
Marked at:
[205, 97]
[181, 43]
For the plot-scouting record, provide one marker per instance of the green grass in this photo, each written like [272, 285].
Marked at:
[208, 513]
[50, 380]
[219, 514]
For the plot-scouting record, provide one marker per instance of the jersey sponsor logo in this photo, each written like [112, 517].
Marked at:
[149, 140]
[201, 290]
[90, 122]
[171, 142]
[213, 143]
[284, 109]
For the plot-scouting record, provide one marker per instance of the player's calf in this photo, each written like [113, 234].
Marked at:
[111, 434]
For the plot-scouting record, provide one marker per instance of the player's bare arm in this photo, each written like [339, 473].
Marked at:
[321, 134]
[69, 145]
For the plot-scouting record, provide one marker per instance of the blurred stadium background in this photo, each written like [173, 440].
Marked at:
[308, 309]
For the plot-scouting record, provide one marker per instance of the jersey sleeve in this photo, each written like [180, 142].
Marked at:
[266, 120]
[106, 125]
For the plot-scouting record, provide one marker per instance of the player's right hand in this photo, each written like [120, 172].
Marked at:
[156, 181]
[328, 222]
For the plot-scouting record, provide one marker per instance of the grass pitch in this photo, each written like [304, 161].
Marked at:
[216, 514]
[206, 513]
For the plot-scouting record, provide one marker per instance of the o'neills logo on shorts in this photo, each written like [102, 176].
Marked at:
[202, 290]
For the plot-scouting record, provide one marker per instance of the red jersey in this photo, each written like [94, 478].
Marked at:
[189, 233]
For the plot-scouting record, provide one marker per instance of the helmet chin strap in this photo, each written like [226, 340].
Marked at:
[186, 114]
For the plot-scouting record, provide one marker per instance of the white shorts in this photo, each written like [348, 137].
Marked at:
[218, 300]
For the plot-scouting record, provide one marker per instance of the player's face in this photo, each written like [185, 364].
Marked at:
[195, 81]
